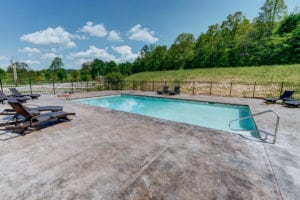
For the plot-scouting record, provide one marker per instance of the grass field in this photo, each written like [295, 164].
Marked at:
[276, 73]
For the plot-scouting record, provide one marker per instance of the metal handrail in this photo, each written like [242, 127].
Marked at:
[260, 113]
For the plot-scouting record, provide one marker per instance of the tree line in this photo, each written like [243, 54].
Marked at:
[273, 37]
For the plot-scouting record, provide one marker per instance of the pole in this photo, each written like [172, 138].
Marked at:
[193, 87]
[254, 90]
[30, 86]
[230, 88]
[53, 85]
[152, 85]
[72, 86]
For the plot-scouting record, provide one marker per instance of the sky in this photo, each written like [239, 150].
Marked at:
[78, 31]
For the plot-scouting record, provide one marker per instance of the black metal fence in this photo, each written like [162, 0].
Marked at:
[234, 89]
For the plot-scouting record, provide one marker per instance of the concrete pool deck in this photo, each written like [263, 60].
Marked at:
[106, 154]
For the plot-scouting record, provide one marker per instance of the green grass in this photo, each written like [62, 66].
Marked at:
[275, 73]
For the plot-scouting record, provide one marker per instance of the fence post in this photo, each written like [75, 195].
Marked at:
[53, 86]
[87, 85]
[210, 87]
[193, 87]
[152, 85]
[30, 86]
[72, 89]
[1, 84]
[281, 89]
[254, 90]
[230, 88]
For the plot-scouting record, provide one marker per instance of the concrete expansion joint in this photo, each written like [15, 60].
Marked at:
[273, 172]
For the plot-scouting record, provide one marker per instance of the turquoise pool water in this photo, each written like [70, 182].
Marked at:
[210, 115]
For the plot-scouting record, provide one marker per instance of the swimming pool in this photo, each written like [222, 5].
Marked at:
[205, 114]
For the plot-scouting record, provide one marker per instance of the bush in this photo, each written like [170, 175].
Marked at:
[114, 80]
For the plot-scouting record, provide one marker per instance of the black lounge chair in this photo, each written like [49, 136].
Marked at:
[33, 121]
[16, 93]
[3, 97]
[164, 90]
[33, 110]
[284, 97]
[292, 103]
[175, 91]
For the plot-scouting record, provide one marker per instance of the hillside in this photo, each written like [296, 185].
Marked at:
[275, 73]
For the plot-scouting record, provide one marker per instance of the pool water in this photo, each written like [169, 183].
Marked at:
[205, 114]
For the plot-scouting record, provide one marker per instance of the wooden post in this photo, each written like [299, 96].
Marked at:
[30, 86]
[281, 89]
[87, 85]
[53, 85]
[230, 88]
[254, 90]
[193, 87]
[1, 84]
[72, 89]
[152, 85]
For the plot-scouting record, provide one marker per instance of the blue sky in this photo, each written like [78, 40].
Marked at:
[35, 31]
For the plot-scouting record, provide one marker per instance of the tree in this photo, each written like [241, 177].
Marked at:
[111, 67]
[156, 59]
[85, 72]
[114, 80]
[75, 74]
[289, 24]
[138, 65]
[181, 52]
[21, 67]
[293, 48]
[125, 68]
[145, 50]
[97, 68]
[56, 64]
[61, 74]
[271, 12]
[2, 74]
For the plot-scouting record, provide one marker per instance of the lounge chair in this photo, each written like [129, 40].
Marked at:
[16, 93]
[175, 91]
[33, 121]
[292, 103]
[164, 90]
[284, 97]
[3, 97]
[33, 110]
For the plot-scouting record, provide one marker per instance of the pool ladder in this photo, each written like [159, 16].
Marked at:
[265, 132]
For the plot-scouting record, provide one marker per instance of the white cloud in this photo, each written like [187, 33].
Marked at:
[31, 62]
[49, 56]
[92, 53]
[141, 34]
[125, 54]
[29, 51]
[3, 58]
[57, 36]
[80, 37]
[97, 30]
[114, 36]
[83, 60]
